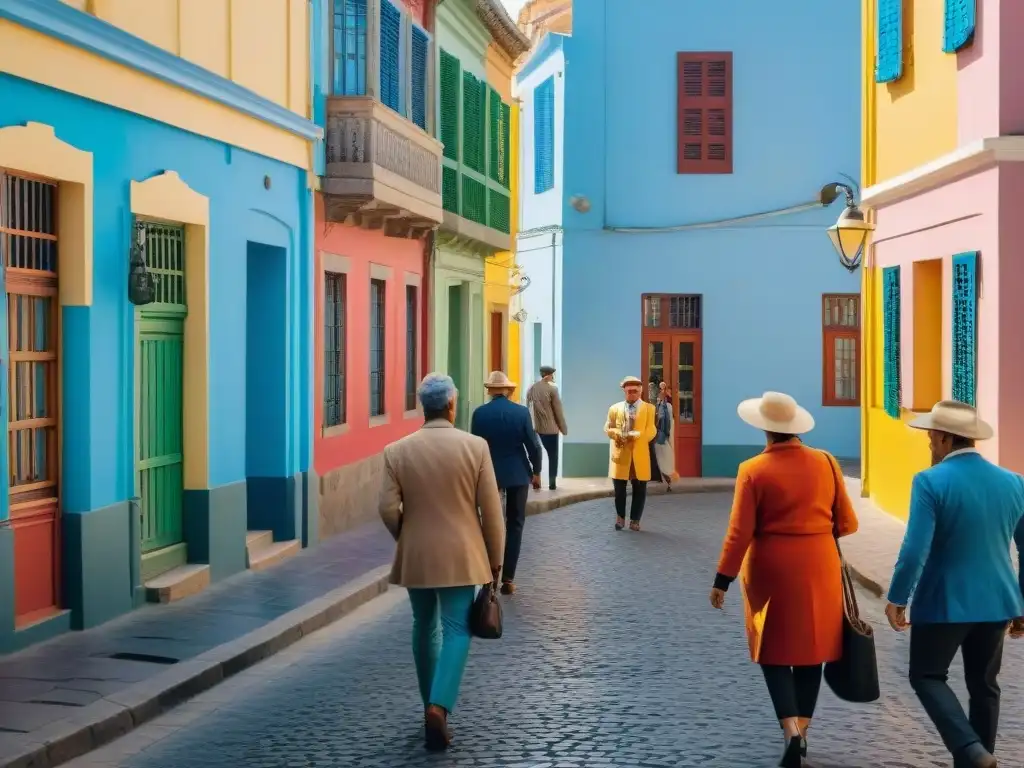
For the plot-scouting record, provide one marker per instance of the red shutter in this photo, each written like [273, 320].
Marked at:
[704, 129]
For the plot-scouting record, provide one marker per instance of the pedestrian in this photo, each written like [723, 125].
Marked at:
[630, 428]
[515, 454]
[548, 420]
[440, 501]
[664, 450]
[789, 507]
[956, 571]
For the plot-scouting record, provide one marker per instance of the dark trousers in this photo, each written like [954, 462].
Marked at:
[636, 507]
[794, 690]
[932, 649]
[550, 443]
[515, 518]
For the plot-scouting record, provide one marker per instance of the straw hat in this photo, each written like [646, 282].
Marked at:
[956, 419]
[776, 412]
[630, 380]
[498, 380]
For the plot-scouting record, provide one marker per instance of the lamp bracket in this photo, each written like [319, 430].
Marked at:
[830, 192]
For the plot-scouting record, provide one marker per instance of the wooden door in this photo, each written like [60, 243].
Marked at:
[685, 381]
[497, 334]
[28, 245]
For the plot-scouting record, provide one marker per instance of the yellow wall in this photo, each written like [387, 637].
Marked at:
[260, 44]
[515, 355]
[915, 118]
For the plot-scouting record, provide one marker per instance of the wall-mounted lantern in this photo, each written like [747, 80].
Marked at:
[850, 232]
[141, 282]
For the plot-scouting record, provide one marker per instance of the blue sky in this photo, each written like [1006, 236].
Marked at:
[513, 6]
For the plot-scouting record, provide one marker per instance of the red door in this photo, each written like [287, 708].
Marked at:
[497, 333]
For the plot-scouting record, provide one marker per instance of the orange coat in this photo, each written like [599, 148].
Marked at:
[780, 544]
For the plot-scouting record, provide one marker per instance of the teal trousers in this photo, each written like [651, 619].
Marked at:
[440, 641]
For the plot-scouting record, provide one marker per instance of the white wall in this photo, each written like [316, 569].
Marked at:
[542, 262]
[545, 209]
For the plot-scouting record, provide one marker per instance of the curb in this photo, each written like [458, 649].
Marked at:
[871, 585]
[114, 716]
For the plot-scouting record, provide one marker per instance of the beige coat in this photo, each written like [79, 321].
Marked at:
[546, 407]
[434, 482]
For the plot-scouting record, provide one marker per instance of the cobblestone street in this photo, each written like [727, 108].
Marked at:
[611, 657]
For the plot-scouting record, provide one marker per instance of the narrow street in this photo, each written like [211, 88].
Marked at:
[612, 657]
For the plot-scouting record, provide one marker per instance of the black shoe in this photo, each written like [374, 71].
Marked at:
[552, 487]
[796, 747]
[620, 523]
[437, 737]
[974, 756]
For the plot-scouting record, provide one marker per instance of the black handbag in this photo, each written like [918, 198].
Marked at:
[854, 676]
[485, 613]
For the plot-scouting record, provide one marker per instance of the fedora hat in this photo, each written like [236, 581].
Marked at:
[776, 412]
[954, 418]
[630, 380]
[498, 380]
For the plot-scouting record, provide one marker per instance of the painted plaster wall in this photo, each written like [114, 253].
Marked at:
[545, 209]
[1010, 319]
[542, 262]
[762, 286]
[262, 45]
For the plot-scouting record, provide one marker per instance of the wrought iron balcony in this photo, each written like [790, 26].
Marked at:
[383, 171]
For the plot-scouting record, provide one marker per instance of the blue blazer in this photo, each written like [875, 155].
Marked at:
[955, 560]
[508, 430]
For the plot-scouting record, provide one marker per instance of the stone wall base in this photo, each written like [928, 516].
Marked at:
[349, 495]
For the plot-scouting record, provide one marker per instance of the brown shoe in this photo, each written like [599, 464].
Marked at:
[437, 735]
[634, 525]
[508, 588]
[620, 523]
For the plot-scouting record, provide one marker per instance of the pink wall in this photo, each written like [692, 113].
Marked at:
[1011, 315]
[363, 248]
[990, 83]
[1011, 68]
[418, 10]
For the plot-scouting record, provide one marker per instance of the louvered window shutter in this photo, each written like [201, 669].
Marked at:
[961, 18]
[892, 391]
[965, 326]
[889, 64]
[704, 121]
[474, 97]
[451, 76]
[418, 67]
[506, 147]
[544, 136]
[494, 158]
[390, 45]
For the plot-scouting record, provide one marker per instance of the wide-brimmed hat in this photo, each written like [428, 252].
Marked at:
[630, 380]
[776, 412]
[954, 418]
[498, 380]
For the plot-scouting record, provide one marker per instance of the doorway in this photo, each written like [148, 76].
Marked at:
[456, 349]
[672, 352]
[497, 341]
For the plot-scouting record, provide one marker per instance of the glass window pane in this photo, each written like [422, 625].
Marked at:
[685, 395]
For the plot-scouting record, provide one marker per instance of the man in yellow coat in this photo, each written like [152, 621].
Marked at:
[631, 428]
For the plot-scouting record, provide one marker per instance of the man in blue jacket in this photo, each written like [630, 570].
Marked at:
[955, 562]
[515, 453]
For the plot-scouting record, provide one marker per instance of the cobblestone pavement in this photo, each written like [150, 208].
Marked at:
[612, 657]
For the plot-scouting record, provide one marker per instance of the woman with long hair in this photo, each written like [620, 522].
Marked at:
[664, 449]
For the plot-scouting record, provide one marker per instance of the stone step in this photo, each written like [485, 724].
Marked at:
[178, 583]
[274, 554]
[257, 541]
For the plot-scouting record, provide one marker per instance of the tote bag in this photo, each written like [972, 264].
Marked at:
[485, 619]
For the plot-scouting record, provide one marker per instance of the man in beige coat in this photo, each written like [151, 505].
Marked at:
[435, 481]
[548, 419]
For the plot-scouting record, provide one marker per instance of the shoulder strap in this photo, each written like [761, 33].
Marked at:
[835, 494]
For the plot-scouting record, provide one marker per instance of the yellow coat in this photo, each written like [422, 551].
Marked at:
[638, 452]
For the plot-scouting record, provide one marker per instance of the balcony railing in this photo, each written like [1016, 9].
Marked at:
[383, 171]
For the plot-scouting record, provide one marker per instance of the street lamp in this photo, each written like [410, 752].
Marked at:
[850, 232]
[141, 282]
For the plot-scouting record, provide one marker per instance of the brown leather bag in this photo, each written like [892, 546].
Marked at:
[485, 613]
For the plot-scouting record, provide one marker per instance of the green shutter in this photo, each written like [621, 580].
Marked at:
[494, 149]
[497, 211]
[892, 390]
[506, 126]
[474, 200]
[450, 70]
[450, 189]
[474, 98]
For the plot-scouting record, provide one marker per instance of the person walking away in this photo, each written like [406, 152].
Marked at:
[545, 404]
[955, 570]
[630, 429]
[515, 454]
[789, 507]
[664, 449]
[440, 501]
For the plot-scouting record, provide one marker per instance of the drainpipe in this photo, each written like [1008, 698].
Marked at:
[554, 299]
[427, 304]
[135, 549]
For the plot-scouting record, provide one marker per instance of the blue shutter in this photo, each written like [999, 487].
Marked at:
[891, 384]
[418, 65]
[889, 65]
[390, 47]
[965, 326]
[544, 136]
[961, 16]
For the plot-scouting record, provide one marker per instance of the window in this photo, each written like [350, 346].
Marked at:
[390, 56]
[544, 136]
[841, 349]
[965, 327]
[411, 342]
[891, 374]
[498, 119]
[889, 57]
[451, 76]
[349, 48]
[961, 18]
[335, 295]
[679, 311]
[419, 67]
[704, 120]
[377, 323]
[474, 106]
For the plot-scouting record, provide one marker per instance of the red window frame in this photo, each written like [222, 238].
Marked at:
[704, 112]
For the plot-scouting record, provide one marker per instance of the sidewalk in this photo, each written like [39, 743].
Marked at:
[872, 551]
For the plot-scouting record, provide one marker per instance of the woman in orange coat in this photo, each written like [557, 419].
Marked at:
[790, 504]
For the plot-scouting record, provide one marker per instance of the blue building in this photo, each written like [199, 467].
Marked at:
[155, 443]
[700, 135]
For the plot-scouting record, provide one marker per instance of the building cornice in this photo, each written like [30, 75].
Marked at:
[971, 158]
[504, 31]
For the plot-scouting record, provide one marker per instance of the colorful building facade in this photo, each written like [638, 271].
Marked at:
[379, 202]
[475, 129]
[695, 250]
[942, 178]
[146, 440]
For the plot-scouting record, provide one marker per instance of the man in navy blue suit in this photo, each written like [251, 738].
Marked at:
[515, 453]
[955, 571]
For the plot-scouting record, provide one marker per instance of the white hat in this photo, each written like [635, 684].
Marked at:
[776, 412]
[498, 380]
[631, 381]
[954, 418]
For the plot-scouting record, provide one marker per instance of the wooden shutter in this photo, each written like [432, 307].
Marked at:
[961, 18]
[474, 107]
[704, 127]
[418, 67]
[965, 327]
[450, 95]
[892, 390]
[889, 30]
[544, 136]
[390, 44]
[495, 159]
